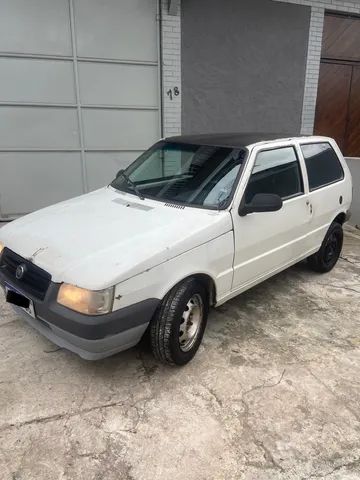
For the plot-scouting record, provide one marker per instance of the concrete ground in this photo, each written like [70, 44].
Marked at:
[273, 393]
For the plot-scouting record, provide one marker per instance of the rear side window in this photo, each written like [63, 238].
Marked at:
[322, 163]
[275, 171]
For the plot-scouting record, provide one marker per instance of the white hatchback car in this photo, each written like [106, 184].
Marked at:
[193, 222]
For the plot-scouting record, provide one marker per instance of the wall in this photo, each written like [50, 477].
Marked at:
[243, 65]
[354, 165]
[318, 8]
[172, 51]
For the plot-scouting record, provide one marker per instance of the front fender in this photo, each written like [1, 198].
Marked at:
[214, 258]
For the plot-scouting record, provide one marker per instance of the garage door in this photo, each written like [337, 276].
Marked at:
[79, 95]
[338, 101]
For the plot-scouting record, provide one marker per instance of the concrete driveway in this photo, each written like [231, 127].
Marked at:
[274, 393]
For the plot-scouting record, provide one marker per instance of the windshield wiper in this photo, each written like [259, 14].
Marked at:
[122, 173]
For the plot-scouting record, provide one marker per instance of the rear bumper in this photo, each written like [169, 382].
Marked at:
[91, 337]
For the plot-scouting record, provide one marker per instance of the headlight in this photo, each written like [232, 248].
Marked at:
[85, 301]
[2, 246]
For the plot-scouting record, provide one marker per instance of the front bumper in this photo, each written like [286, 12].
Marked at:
[91, 337]
[85, 348]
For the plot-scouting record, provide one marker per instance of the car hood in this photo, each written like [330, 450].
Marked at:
[105, 237]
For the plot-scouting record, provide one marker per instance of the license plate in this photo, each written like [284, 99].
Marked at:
[30, 309]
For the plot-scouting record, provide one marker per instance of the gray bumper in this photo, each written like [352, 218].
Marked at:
[85, 348]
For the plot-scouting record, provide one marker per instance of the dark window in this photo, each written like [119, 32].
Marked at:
[322, 163]
[275, 171]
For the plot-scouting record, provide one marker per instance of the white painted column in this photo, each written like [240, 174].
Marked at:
[171, 67]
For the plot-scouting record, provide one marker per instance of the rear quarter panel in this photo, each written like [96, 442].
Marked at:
[329, 201]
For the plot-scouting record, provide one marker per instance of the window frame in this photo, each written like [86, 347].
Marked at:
[298, 159]
[307, 172]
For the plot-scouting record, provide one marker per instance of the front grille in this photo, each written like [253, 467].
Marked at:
[35, 280]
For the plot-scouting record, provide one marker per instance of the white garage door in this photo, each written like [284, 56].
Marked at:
[79, 95]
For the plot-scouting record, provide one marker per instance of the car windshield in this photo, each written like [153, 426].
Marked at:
[198, 175]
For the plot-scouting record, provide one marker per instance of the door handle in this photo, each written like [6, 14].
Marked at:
[310, 206]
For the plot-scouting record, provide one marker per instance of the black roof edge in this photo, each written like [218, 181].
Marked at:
[230, 139]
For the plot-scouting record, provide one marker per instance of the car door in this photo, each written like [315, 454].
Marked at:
[267, 242]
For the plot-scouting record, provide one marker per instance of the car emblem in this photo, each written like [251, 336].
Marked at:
[20, 271]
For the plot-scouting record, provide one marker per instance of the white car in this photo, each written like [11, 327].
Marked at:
[193, 222]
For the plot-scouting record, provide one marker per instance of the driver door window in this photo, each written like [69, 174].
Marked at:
[276, 171]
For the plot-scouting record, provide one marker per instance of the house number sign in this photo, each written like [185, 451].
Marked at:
[173, 92]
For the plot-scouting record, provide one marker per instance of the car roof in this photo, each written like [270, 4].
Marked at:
[235, 140]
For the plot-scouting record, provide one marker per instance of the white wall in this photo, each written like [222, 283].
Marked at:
[354, 165]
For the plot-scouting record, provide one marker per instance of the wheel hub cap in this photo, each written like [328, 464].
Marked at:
[191, 321]
[331, 249]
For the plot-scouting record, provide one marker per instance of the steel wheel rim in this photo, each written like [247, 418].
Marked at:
[191, 321]
[332, 250]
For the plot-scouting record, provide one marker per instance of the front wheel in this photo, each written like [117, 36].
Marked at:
[177, 329]
[325, 259]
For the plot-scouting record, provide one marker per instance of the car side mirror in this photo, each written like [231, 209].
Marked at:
[261, 202]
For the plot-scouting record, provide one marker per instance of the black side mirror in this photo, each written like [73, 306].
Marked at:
[261, 202]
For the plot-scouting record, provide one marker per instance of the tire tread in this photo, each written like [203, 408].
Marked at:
[161, 325]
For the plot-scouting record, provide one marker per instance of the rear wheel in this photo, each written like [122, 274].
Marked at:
[325, 259]
[177, 329]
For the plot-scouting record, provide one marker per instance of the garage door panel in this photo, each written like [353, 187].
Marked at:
[120, 129]
[30, 80]
[116, 84]
[51, 128]
[38, 127]
[29, 181]
[334, 85]
[35, 26]
[103, 167]
[124, 30]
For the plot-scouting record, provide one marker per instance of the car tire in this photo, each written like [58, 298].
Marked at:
[325, 259]
[178, 326]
